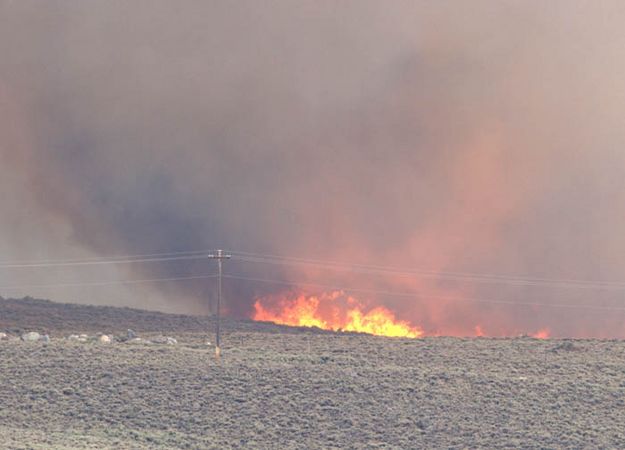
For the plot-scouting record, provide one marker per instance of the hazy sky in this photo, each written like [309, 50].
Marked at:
[450, 136]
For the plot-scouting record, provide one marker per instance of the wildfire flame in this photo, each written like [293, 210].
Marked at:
[542, 334]
[337, 311]
[332, 311]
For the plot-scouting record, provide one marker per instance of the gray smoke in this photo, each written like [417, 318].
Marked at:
[482, 137]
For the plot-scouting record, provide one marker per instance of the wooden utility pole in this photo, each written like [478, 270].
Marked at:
[219, 256]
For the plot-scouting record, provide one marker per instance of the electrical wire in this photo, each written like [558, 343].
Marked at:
[369, 269]
[104, 258]
[457, 276]
[412, 295]
[60, 263]
[318, 285]
[106, 283]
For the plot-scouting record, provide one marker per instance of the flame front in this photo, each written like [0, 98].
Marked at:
[542, 334]
[338, 311]
[332, 311]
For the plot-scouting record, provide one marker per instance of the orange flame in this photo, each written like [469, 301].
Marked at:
[337, 311]
[332, 311]
[542, 334]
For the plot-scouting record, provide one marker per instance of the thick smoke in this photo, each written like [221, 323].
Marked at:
[481, 137]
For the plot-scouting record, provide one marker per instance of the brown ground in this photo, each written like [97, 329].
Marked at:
[288, 388]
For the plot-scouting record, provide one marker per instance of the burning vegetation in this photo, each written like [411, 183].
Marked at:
[338, 311]
[332, 311]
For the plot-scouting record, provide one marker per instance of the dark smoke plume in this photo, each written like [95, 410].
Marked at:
[483, 137]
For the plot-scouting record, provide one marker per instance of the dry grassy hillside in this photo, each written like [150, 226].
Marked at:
[285, 388]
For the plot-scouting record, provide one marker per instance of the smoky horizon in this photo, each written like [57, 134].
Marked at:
[458, 165]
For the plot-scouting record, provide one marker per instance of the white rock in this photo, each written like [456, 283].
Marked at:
[31, 337]
[83, 336]
[164, 340]
[104, 339]
[137, 341]
[3, 336]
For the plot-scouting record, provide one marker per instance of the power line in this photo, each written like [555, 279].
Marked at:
[104, 258]
[103, 261]
[252, 256]
[106, 283]
[318, 285]
[457, 276]
[412, 295]
[371, 269]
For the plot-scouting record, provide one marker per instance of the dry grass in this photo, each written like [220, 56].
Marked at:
[304, 390]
